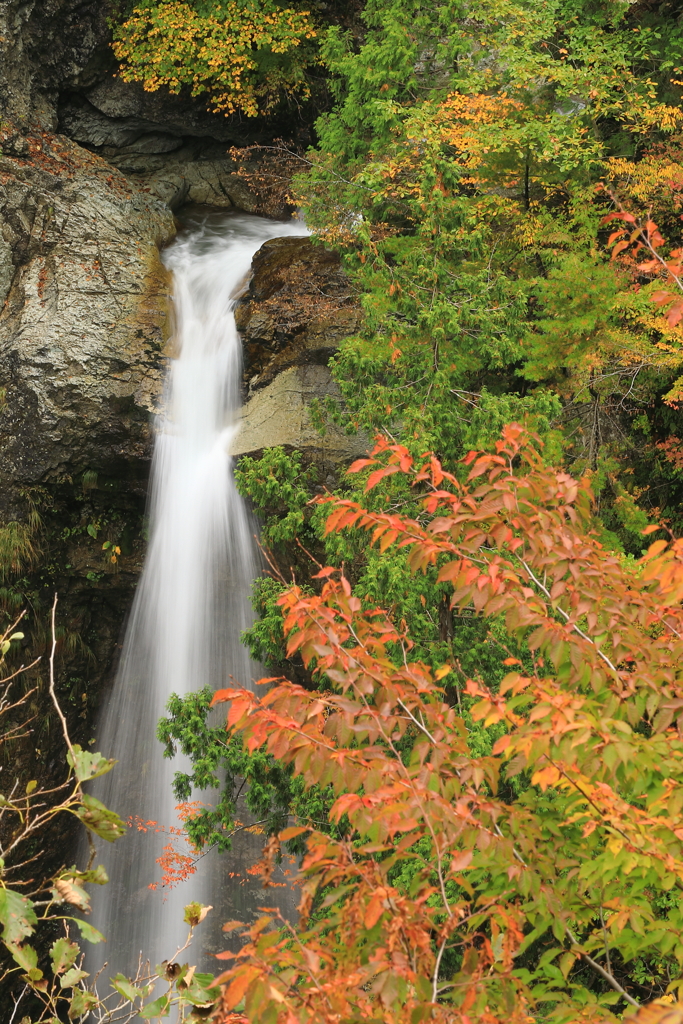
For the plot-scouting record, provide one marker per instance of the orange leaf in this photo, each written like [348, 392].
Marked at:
[461, 860]
[373, 912]
[501, 744]
[359, 464]
[378, 475]
[223, 695]
[236, 989]
[290, 833]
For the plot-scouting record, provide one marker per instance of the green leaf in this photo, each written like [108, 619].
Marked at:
[72, 977]
[88, 765]
[63, 954]
[126, 988]
[104, 823]
[27, 958]
[81, 1002]
[197, 995]
[17, 916]
[195, 913]
[159, 1008]
[87, 931]
[92, 530]
[97, 875]
[67, 890]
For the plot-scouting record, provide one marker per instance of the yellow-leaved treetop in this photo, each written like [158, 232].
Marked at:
[244, 54]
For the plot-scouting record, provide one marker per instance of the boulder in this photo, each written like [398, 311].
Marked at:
[296, 310]
[282, 414]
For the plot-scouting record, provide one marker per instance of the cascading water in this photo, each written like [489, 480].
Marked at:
[193, 598]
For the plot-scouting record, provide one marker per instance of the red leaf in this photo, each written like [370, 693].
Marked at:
[628, 217]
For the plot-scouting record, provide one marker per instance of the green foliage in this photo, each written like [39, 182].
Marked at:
[269, 790]
[17, 549]
[279, 488]
[28, 919]
[466, 203]
[265, 640]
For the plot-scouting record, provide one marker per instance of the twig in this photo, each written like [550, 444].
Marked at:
[609, 978]
[419, 724]
[16, 1003]
[566, 617]
[435, 975]
[52, 684]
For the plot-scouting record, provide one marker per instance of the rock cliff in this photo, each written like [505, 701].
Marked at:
[82, 330]
[84, 313]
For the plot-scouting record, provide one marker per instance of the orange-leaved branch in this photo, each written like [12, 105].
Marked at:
[459, 886]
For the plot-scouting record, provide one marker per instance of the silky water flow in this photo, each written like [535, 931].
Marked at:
[190, 607]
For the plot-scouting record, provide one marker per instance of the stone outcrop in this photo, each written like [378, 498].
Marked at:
[179, 181]
[123, 116]
[43, 44]
[168, 145]
[82, 326]
[298, 307]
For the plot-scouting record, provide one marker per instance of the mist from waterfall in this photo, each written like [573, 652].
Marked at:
[192, 601]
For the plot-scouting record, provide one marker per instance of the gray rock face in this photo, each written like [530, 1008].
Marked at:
[44, 43]
[207, 182]
[116, 113]
[82, 328]
[281, 414]
[6, 269]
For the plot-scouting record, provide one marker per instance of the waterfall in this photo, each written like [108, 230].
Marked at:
[192, 601]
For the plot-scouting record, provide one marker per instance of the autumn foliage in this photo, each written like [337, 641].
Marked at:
[520, 885]
[240, 54]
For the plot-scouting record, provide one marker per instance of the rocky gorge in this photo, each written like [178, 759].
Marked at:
[94, 173]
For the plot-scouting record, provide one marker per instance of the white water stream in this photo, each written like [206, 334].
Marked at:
[192, 601]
